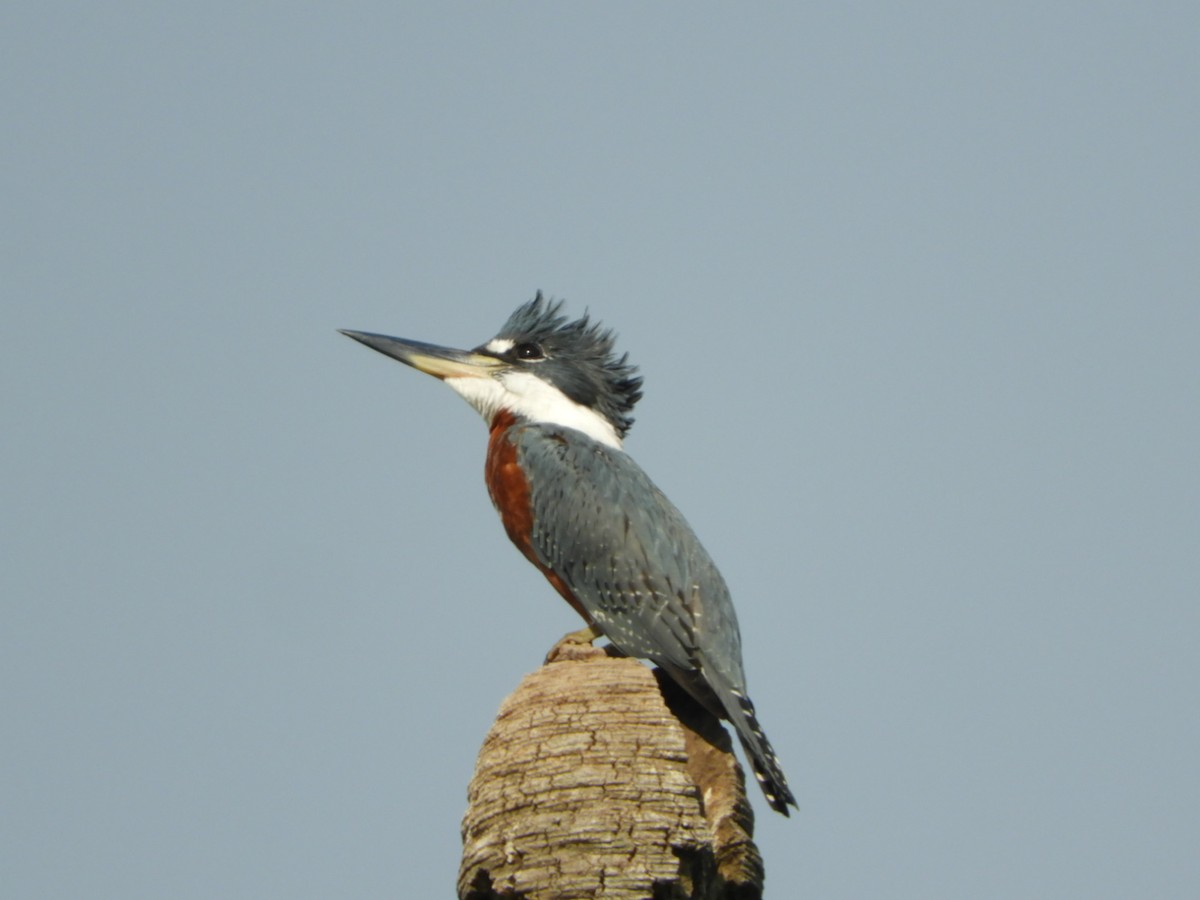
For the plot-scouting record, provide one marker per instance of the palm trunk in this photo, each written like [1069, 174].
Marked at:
[600, 780]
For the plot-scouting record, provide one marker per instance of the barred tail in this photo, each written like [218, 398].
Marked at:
[713, 692]
[762, 758]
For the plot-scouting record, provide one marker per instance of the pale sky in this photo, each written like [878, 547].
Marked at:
[915, 295]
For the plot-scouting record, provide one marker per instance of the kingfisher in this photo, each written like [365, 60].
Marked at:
[558, 401]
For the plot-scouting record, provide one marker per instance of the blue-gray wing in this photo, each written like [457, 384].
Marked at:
[627, 554]
[633, 562]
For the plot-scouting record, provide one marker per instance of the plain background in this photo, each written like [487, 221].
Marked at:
[915, 294]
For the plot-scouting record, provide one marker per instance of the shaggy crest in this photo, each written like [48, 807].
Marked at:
[579, 359]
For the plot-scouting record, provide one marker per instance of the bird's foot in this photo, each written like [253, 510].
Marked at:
[576, 645]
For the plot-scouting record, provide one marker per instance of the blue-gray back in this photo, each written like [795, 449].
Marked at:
[627, 554]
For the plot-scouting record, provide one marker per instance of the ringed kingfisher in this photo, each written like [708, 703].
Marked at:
[557, 400]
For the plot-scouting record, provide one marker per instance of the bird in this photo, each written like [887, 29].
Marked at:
[558, 401]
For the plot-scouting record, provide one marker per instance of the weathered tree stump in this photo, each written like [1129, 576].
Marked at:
[601, 780]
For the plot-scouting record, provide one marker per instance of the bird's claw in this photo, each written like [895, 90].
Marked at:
[576, 645]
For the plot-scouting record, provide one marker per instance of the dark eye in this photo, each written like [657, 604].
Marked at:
[528, 351]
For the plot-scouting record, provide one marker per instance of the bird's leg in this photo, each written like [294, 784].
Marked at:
[576, 644]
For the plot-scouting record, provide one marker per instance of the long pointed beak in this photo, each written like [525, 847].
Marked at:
[440, 362]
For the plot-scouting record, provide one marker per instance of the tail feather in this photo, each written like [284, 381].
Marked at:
[714, 692]
[763, 761]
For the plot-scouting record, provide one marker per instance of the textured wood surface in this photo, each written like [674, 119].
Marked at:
[590, 786]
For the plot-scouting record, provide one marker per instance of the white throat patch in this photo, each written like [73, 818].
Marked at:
[534, 400]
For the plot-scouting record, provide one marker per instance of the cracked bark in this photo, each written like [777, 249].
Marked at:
[602, 779]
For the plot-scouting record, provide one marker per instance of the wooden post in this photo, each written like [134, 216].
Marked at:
[603, 779]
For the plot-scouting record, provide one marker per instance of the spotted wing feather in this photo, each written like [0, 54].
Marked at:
[626, 552]
[633, 562]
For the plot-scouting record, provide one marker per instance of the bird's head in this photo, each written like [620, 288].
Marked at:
[541, 367]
